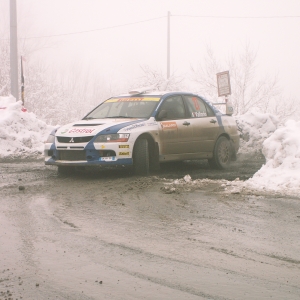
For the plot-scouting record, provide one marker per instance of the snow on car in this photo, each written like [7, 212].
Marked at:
[143, 130]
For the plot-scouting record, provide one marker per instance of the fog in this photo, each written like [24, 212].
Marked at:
[112, 40]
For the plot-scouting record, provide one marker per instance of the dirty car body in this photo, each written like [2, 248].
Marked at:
[144, 130]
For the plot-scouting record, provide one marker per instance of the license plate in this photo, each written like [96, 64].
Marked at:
[108, 158]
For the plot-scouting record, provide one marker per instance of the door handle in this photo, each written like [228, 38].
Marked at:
[186, 123]
[213, 121]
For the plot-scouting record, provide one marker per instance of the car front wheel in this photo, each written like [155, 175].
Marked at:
[141, 157]
[221, 155]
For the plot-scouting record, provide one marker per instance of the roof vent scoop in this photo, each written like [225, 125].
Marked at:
[142, 90]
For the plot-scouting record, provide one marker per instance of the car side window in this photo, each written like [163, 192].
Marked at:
[197, 108]
[174, 108]
[210, 112]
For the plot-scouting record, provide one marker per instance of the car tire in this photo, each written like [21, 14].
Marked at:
[221, 155]
[65, 170]
[141, 157]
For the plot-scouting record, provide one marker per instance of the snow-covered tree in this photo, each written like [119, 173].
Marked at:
[155, 78]
[4, 68]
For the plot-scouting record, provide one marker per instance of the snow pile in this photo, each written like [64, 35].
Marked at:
[255, 128]
[187, 178]
[22, 135]
[281, 173]
[279, 145]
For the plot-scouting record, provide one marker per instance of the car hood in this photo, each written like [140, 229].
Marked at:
[95, 126]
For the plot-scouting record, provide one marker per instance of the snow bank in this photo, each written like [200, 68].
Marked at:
[281, 173]
[22, 135]
[255, 128]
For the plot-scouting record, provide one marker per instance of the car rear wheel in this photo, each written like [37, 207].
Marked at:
[141, 157]
[221, 155]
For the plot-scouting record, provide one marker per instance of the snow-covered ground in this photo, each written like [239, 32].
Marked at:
[22, 135]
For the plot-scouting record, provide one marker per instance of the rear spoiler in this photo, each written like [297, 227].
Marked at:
[142, 90]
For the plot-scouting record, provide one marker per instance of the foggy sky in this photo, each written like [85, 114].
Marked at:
[139, 31]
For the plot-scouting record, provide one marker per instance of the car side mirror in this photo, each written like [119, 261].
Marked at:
[229, 108]
[161, 115]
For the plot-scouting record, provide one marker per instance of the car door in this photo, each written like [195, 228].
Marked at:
[204, 124]
[176, 133]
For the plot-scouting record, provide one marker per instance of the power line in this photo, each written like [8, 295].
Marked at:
[148, 20]
[237, 17]
[87, 31]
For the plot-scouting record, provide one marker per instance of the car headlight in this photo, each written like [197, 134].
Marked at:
[112, 138]
[50, 139]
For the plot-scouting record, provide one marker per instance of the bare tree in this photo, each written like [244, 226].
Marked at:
[152, 77]
[205, 75]
[54, 96]
[248, 89]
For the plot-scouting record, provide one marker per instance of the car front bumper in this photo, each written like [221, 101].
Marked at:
[85, 155]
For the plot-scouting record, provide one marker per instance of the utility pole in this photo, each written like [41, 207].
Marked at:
[13, 50]
[168, 47]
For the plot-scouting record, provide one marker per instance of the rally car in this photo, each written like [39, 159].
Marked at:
[145, 129]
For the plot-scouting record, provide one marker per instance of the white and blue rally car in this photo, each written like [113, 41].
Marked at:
[144, 129]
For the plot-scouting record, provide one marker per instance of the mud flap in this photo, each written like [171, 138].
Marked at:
[233, 152]
[154, 159]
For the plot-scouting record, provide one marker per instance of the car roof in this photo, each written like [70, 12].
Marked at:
[167, 93]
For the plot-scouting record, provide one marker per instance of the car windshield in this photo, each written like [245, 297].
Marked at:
[127, 107]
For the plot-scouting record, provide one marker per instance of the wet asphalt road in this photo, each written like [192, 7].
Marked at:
[107, 234]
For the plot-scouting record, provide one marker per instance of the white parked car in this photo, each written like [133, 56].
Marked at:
[143, 130]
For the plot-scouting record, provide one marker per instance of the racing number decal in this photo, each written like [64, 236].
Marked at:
[196, 103]
[198, 114]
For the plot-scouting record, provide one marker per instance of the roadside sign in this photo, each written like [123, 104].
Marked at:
[223, 81]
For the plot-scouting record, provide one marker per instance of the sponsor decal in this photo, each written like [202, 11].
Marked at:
[132, 99]
[123, 146]
[123, 153]
[129, 99]
[168, 125]
[135, 126]
[152, 123]
[81, 130]
[108, 158]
